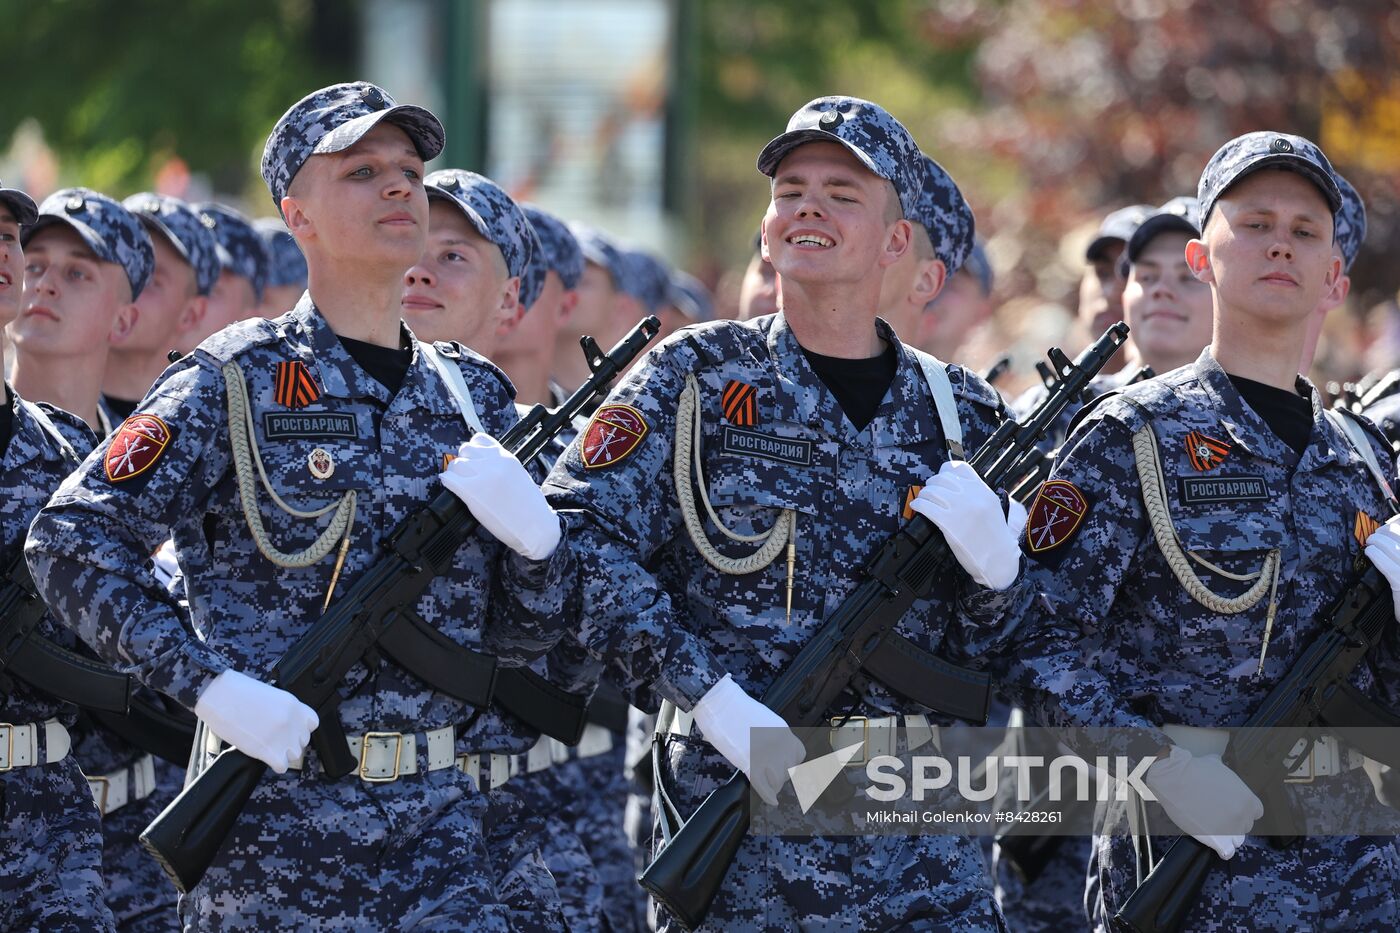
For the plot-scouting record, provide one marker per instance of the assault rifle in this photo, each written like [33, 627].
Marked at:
[26, 655]
[1314, 694]
[859, 640]
[374, 615]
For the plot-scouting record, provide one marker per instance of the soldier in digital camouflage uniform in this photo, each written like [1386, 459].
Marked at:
[599, 289]
[286, 268]
[51, 842]
[346, 411]
[243, 263]
[173, 302]
[480, 275]
[1256, 481]
[830, 461]
[130, 784]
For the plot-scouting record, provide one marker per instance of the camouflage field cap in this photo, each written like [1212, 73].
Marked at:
[285, 263]
[335, 118]
[942, 210]
[558, 245]
[1117, 227]
[1182, 214]
[980, 267]
[20, 204]
[187, 232]
[1350, 225]
[1265, 149]
[111, 231]
[646, 278]
[241, 249]
[601, 250]
[872, 135]
[690, 296]
[497, 218]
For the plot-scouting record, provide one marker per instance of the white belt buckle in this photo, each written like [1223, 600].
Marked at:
[99, 786]
[846, 724]
[9, 744]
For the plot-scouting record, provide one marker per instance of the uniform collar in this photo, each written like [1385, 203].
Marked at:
[339, 375]
[1326, 444]
[803, 397]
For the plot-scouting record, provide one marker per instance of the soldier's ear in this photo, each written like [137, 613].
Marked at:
[510, 311]
[899, 242]
[123, 323]
[192, 314]
[1198, 259]
[932, 276]
[567, 304]
[1334, 278]
[298, 224]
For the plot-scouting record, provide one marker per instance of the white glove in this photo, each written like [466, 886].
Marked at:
[1204, 798]
[725, 714]
[969, 514]
[1383, 548]
[258, 719]
[503, 497]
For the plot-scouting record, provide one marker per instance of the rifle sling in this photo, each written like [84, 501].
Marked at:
[542, 705]
[929, 680]
[69, 676]
[444, 665]
[151, 729]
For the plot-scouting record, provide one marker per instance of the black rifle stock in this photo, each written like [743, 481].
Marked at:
[1313, 693]
[188, 834]
[692, 862]
[28, 656]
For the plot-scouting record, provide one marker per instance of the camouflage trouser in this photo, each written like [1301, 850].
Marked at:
[909, 882]
[1317, 883]
[50, 851]
[528, 810]
[1054, 902]
[138, 893]
[601, 805]
[310, 853]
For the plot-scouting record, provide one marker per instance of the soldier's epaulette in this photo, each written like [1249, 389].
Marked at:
[453, 350]
[711, 343]
[236, 339]
[967, 384]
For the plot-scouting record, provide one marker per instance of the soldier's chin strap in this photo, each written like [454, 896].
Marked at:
[1154, 500]
[246, 458]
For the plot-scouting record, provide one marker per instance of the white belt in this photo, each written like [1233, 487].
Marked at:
[544, 754]
[498, 769]
[880, 734]
[19, 744]
[123, 786]
[385, 756]
[1328, 756]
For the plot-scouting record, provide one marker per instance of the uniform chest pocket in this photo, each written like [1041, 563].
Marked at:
[312, 458]
[747, 510]
[1225, 559]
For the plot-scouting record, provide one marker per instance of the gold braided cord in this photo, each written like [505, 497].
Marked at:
[688, 451]
[246, 458]
[1154, 498]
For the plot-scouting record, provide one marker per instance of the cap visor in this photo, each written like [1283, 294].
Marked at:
[421, 126]
[86, 233]
[777, 150]
[156, 224]
[1099, 244]
[21, 205]
[1294, 163]
[438, 193]
[1155, 226]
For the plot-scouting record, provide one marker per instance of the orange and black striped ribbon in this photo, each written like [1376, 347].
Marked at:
[294, 387]
[1204, 451]
[1365, 527]
[740, 404]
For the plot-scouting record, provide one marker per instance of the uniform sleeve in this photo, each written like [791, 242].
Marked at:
[88, 548]
[1078, 566]
[619, 516]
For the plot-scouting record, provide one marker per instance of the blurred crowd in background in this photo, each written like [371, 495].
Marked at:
[644, 117]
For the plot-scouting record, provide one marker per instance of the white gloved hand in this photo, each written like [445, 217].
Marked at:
[969, 514]
[165, 567]
[1383, 548]
[725, 714]
[503, 497]
[258, 719]
[1204, 798]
